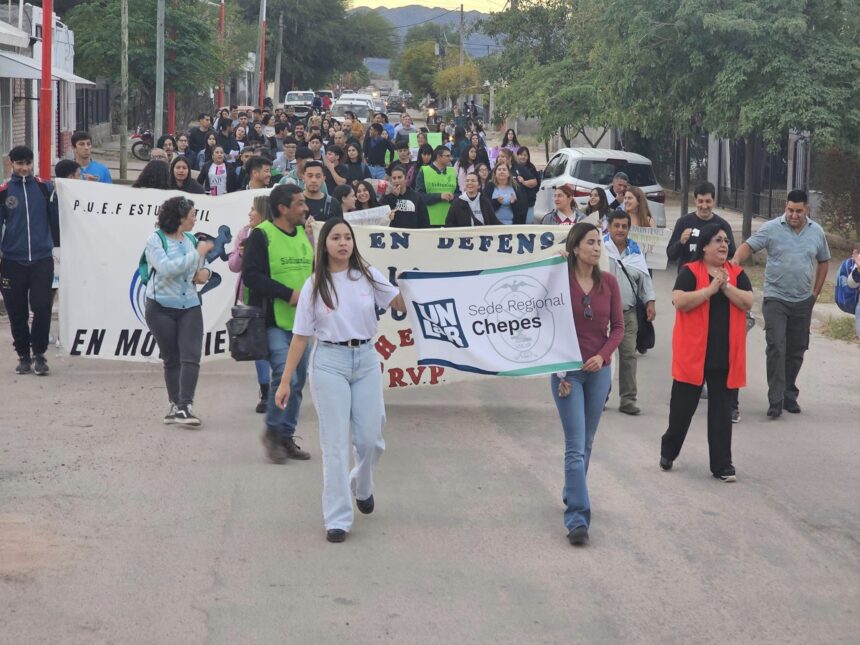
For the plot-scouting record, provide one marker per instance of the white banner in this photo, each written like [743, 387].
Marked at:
[653, 242]
[104, 231]
[369, 217]
[513, 321]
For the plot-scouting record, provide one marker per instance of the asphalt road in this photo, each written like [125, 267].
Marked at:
[116, 529]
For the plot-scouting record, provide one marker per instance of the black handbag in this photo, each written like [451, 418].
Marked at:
[247, 331]
[645, 336]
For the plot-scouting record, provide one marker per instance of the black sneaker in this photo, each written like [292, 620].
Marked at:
[736, 415]
[262, 404]
[788, 406]
[774, 411]
[293, 451]
[365, 505]
[727, 475]
[275, 450]
[40, 366]
[170, 417]
[578, 536]
[185, 417]
[665, 464]
[25, 363]
[335, 535]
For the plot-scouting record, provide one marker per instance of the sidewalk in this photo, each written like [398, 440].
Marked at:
[107, 153]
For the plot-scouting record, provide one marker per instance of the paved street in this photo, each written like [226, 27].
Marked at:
[116, 529]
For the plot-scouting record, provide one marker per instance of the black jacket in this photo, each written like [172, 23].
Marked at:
[459, 214]
[411, 210]
[520, 207]
[232, 178]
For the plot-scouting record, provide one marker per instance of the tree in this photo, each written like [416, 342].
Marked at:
[457, 80]
[417, 68]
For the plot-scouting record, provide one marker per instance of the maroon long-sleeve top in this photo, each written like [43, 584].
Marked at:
[603, 333]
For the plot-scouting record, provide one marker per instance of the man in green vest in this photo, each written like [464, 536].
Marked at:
[278, 259]
[438, 182]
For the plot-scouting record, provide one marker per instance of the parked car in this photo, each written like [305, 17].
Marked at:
[300, 101]
[328, 93]
[587, 168]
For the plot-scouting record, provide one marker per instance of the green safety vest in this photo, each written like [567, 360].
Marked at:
[291, 260]
[434, 182]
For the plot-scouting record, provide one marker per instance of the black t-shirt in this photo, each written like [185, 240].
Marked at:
[525, 172]
[717, 356]
[683, 253]
[323, 209]
[340, 169]
[197, 138]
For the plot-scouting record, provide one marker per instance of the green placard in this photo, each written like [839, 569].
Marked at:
[433, 139]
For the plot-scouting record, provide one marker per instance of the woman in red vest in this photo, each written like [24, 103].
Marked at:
[711, 298]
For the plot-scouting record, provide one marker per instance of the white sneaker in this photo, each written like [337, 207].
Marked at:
[170, 417]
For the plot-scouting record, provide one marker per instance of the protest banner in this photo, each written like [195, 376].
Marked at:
[105, 227]
[653, 242]
[511, 321]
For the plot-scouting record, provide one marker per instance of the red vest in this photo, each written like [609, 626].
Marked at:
[690, 335]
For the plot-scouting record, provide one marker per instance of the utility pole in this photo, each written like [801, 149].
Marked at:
[123, 117]
[462, 34]
[158, 121]
[261, 53]
[46, 99]
[221, 22]
[278, 58]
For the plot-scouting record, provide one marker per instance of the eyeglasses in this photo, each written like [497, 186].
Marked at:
[586, 303]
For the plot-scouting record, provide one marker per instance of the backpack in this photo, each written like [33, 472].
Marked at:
[846, 296]
[143, 266]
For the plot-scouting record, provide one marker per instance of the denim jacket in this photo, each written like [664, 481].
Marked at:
[172, 271]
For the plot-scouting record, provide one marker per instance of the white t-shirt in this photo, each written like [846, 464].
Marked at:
[218, 179]
[354, 315]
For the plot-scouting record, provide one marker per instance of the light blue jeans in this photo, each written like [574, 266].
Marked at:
[346, 386]
[377, 172]
[530, 215]
[278, 421]
[580, 413]
[264, 371]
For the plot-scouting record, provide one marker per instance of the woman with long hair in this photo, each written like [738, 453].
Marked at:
[180, 176]
[255, 134]
[528, 178]
[465, 164]
[565, 212]
[173, 314]
[580, 396]
[510, 141]
[206, 154]
[356, 169]
[218, 176]
[597, 203]
[345, 196]
[365, 196]
[483, 172]
[338, 306]
[636, 205]
[507, 198]
[425, 156]
[259, 211]
[711, 298]
[155, 174]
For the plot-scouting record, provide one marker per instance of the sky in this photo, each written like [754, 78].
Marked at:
[477, 5]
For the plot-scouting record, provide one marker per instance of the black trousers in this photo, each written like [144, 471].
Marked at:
[786, 331]
[682, 407]
[26, 286]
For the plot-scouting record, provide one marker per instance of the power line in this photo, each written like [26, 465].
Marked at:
[428, 20]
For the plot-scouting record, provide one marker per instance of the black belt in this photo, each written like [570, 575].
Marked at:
[353, 342]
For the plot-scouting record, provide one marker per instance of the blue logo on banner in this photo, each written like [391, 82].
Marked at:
[439, 321]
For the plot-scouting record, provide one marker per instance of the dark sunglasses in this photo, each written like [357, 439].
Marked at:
[586, 302]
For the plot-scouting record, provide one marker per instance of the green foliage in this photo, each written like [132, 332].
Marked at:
[457, 80]
[417, 68]
[193, 56]
[836, 173]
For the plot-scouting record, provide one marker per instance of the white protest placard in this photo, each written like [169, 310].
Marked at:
[369, 217]
[510, 321]
[653, 242]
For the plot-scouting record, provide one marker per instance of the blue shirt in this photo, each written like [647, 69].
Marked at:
[505, 212]
[95, 169]
[171, 284]
[792, 257]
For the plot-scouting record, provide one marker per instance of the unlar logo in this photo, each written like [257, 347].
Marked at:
[439, 321]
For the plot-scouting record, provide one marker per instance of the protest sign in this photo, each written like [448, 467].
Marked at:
[511, 321]
[653, 242]
[369, 217]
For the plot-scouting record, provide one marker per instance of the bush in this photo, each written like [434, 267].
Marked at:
[835, 175]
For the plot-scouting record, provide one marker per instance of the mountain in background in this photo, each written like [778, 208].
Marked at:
[477, 45]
